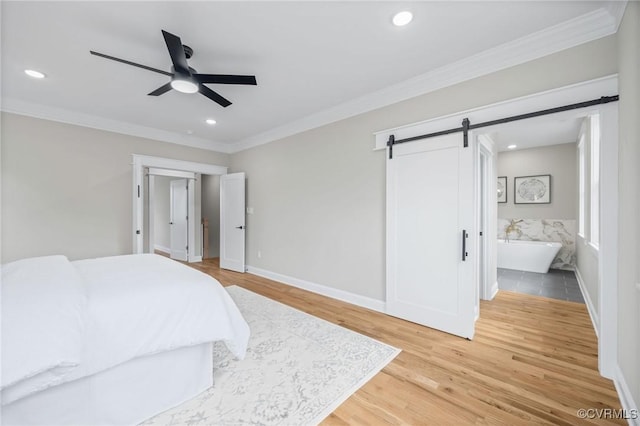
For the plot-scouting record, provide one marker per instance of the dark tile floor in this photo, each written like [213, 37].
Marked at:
[556, 284]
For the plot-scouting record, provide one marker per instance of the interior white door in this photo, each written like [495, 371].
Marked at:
[232, 222]
[430, 220]
[178, 219]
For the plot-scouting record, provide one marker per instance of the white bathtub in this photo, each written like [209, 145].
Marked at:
[533, 256]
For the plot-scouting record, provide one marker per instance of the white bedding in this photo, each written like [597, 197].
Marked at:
[144, 304]
[136, 305]
[43, 321]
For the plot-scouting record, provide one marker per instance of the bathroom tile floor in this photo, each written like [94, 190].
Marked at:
[556, 284]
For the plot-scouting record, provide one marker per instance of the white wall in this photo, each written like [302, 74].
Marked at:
[319, 196]
[587, 271]
[67, 189]
[559, 161]
[587, 268]
[629, 195]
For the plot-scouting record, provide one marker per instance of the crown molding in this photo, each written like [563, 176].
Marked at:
[616, 10]
[591, 26]
[30, 109]
[583, 29]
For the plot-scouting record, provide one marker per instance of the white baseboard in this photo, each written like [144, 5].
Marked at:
[334, 293]
[593, 314]
[195, 259]
[629, 406]
[494, 290]
[162, 248]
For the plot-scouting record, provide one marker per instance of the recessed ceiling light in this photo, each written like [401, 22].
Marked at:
[512, 146]
[210, 121]
[34, 74]
[402, 18]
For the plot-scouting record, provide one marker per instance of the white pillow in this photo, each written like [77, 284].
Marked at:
[43, 320]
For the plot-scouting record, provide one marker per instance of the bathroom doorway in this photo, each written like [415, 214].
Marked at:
[537, 212]
[584, 268]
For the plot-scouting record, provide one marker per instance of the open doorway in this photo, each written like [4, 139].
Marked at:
[143, 199]
[173, 213]
[556, 221]
[166, 230]
[536, 226]
[211, 216]
[232, 208]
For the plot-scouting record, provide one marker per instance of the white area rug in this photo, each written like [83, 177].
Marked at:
[298, 369]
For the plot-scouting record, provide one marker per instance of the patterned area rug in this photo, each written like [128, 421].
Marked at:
[298, 369]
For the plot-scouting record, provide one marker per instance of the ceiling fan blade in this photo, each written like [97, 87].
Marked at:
[176, 51]
[102, 55]
[226, 79]
[214, 96]
[160, 90]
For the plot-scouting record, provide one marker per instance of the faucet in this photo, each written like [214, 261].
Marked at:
[512, 227]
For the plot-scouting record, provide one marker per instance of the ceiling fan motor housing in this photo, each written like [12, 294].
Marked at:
[188, 52]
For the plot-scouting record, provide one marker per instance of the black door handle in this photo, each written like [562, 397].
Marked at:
[464, 245]
[240, 227]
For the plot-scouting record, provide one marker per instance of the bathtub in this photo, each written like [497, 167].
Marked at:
[533, 256]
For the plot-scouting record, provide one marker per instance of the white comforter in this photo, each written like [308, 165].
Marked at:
[139, 305]
[43, 319]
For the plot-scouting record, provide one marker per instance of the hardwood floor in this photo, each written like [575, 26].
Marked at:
[533, 360]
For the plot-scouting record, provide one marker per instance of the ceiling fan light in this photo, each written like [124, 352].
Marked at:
[184, 86]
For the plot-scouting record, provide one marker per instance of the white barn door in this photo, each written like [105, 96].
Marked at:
[232, 222]
[430, 202]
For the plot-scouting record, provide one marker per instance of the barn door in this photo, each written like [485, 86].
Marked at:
[430, 217]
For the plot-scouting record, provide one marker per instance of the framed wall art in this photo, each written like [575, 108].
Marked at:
[532, 189]
[502, 189]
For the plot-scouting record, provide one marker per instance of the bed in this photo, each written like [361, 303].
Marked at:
[109, 341]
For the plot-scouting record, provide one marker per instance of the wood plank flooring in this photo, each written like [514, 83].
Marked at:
[533, 361]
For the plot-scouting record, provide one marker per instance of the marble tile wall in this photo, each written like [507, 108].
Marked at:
[560, 230]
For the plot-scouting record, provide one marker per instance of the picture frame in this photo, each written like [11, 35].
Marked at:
[502, 189]
[532, 189]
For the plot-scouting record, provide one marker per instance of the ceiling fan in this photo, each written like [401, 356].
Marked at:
[184, 78]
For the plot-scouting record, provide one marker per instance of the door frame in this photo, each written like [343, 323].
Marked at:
[579, 92]
[487, 222]
[139, 163]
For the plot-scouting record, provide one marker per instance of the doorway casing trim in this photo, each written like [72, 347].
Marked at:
[139, 162]
[487, 153]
